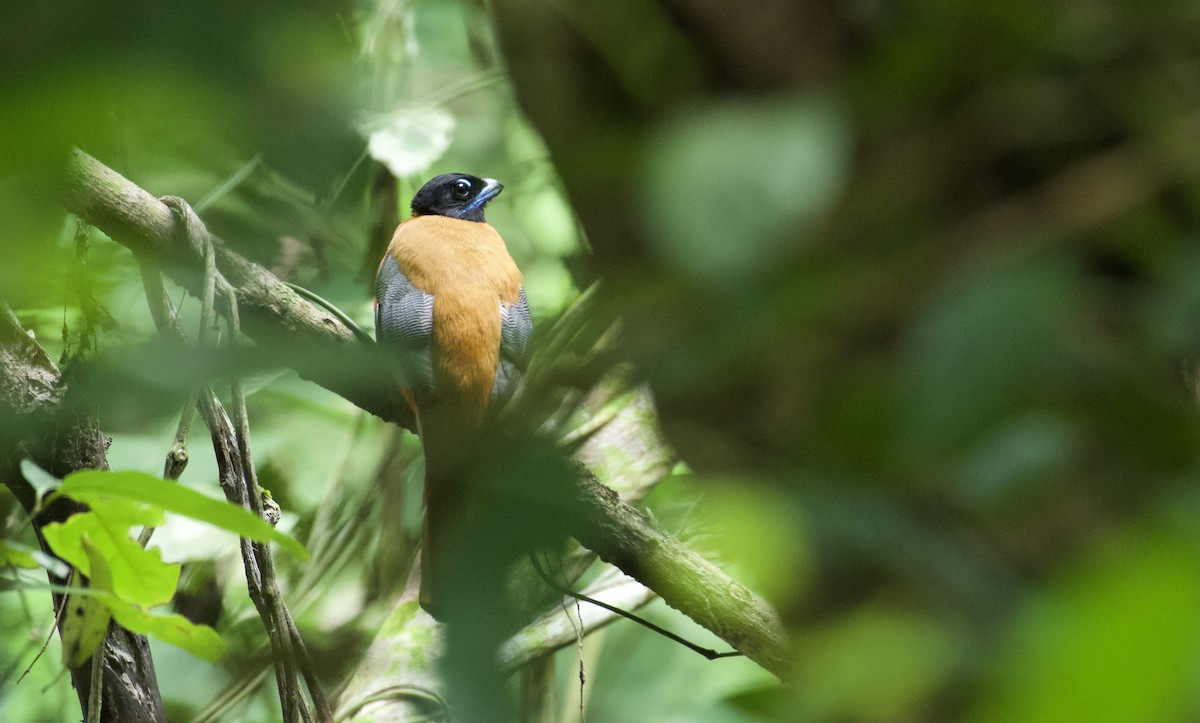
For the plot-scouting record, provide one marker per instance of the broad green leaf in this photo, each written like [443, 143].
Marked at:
[101, 575]
[994, 342]
[756, 529]
[84, 622]
[91, 486]
[199, 640]
[138, 575]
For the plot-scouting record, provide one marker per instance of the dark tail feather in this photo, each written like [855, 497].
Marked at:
[442, 505]
[447, 440]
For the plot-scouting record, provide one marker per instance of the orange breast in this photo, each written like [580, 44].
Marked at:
[466, 267]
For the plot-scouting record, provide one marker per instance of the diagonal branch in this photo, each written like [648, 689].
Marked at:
[623, 537]
[290, 331]
[284, 324]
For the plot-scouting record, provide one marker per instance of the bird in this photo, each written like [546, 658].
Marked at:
[451, 311]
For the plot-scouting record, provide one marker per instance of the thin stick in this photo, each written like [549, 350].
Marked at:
[58, 615]
[231, 439]
[706, 652]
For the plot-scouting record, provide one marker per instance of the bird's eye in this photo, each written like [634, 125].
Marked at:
[462, 188]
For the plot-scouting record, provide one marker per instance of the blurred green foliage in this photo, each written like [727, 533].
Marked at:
[915, 284]
[940, 314]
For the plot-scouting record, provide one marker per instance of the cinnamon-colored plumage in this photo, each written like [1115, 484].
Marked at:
[465, 266]
[450, 306]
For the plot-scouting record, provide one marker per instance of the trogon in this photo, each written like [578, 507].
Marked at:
[450, 309]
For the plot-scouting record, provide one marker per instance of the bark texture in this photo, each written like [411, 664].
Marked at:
[41, 420]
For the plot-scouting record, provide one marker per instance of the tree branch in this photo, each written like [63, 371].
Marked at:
[623, 537]
[286, 324]
[291, 332]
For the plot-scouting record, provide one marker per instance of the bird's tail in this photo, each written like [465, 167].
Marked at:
[447, 506]
[436, 538]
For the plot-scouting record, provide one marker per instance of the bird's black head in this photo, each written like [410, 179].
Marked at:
[456, 195]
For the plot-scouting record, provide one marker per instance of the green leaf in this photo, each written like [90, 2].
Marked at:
[91, 486]
[994, 342]
[199, 640]
[138, 575]
[756, 529]
[101, 575]
[84, 623]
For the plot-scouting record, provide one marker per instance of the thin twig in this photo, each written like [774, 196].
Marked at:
[58, 616]
[230, 183]
[401, 692]
[167, 322]
[267, 590]
[238, 477]
[706, 652]
[306, 668]
[578, 628]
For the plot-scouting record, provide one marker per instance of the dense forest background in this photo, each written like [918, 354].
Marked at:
[913, 286]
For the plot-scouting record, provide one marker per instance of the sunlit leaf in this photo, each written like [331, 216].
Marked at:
[761, 532]
[199, 640]
[137, 574]
[100, 577]
[92, 486]
[549, 221]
